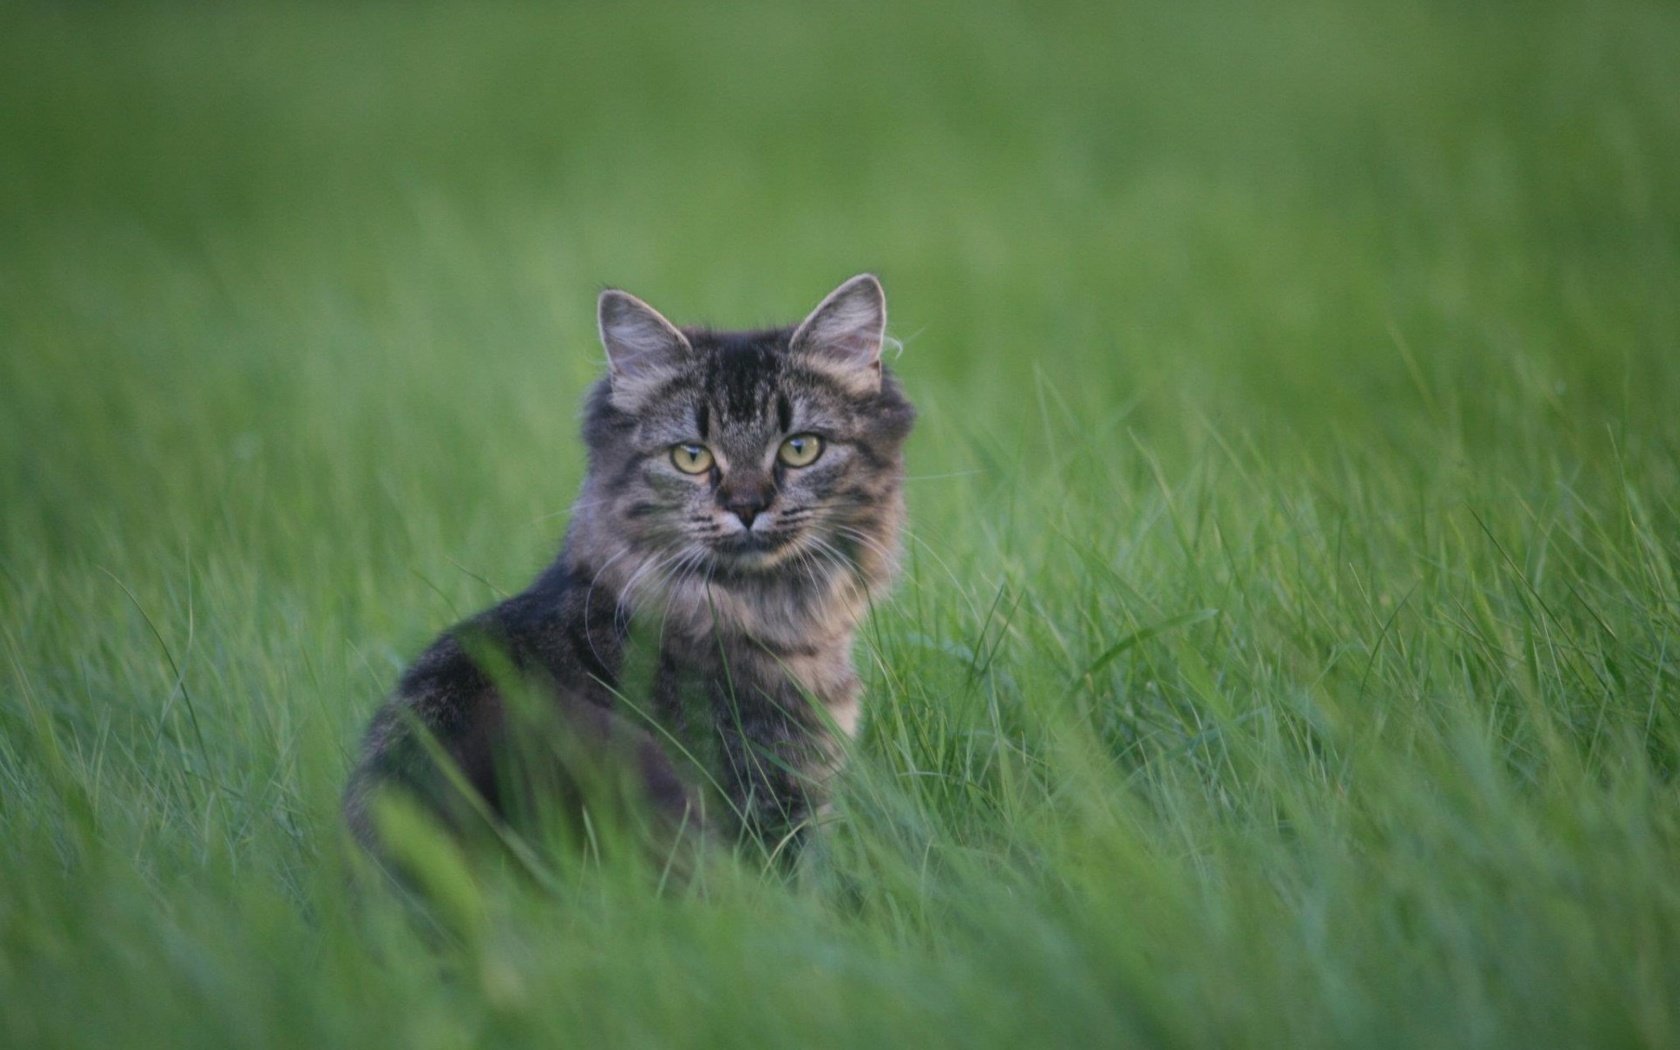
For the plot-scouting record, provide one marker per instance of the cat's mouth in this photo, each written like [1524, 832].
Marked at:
[754, 549]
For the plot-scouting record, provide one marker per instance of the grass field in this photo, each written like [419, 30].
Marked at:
[1290, 649]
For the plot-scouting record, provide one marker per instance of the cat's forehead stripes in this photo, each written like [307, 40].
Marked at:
[741, 375]
[752, 378]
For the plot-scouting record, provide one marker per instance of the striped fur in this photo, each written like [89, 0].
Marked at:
[752, 611]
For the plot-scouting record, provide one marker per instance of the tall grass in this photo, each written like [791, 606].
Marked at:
[1290, 647]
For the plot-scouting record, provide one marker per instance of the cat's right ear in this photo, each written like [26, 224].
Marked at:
[842, 337]
[642, 347]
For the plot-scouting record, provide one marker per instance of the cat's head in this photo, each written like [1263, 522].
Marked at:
[743, 454]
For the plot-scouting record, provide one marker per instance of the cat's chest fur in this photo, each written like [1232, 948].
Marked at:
[774, 644]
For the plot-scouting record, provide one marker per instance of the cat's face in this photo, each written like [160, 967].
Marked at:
[741, 454]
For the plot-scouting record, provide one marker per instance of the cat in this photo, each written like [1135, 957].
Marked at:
[741, 510]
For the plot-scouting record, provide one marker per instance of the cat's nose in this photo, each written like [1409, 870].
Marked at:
[747, 508]
[747, 502]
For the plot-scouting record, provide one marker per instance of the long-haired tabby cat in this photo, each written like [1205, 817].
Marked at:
[742, 506]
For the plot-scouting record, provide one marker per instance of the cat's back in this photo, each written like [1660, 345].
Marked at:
[451, 698]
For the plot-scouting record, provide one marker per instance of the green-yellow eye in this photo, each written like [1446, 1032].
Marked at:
[691, 458]
[800, 450]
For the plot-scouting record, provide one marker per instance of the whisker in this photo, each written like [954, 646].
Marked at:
[871, 542]
[654, 563]
[570, 509]
[686, 567]
[910, 535]
[589, 596]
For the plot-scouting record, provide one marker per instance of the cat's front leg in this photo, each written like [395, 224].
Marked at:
[777, 758]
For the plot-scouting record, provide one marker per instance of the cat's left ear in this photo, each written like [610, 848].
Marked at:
[842, 337]
[643, 348]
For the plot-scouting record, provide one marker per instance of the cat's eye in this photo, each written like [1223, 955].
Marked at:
[800, 450]
[691, 458]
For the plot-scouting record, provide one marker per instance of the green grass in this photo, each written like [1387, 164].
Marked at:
[1290, 651]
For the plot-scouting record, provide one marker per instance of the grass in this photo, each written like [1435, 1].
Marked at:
[1290, 650]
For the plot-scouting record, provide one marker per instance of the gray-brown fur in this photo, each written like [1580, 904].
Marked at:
[750, 579]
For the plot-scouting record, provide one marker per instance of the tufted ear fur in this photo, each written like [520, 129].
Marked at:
[842, 337]
[642, 347]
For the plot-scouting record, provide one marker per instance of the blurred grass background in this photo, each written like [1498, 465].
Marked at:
[1288, 654]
